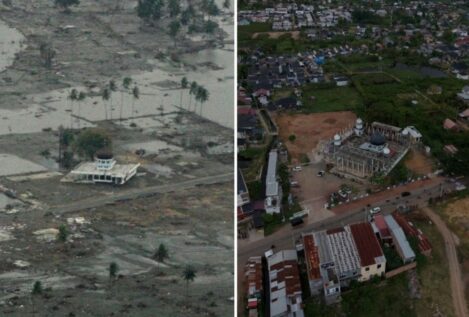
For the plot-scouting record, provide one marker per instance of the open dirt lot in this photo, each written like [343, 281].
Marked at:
[275, 35]
[419, 163]
[310, 129]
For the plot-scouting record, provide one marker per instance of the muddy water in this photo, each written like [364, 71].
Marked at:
[159, 92]
[10, 43]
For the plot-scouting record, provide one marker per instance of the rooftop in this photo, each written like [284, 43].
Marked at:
[271, 178]
[312, 257]
[367, 244]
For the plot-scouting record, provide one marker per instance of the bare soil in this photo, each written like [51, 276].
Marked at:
[275, 35]
[310, 129]
[419, 163]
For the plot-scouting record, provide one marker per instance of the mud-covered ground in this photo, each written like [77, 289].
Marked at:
[96, 43]
[195, 225]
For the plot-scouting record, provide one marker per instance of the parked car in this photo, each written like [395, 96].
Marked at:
[321, 173]
[297, 168]
[296, 221]
[375, 210]
[294, 184]
[405, 194]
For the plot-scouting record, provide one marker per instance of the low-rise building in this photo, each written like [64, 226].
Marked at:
[103, 170]
[273, 190]
[285, 286]
[372, 260]
[400, 241]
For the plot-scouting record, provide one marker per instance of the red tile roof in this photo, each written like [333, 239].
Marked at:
[382, 226]
[367, 244]
[312, 257]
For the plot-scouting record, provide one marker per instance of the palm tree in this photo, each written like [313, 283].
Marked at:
[189, 274]
[184, 84]
[112, 88]
[37, 290]
[80, 98]
[106, 95]
[202, 96]
[192, 91]
[161, 254]
[136, 95]
[125, 85]
[73, 96]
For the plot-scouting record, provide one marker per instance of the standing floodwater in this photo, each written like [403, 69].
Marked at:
[10, 44]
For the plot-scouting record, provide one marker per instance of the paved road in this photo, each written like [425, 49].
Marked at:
[345, 214]
[95, 202]
[457, 284]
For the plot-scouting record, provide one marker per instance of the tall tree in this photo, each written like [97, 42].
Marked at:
[125, 88]
[184, 84]
[202, 96]
[105, 95]
[136, 95]
[73, 97]
[192, 91]
[189, 274]
[174, 28]
[112, 88]
[36, 291]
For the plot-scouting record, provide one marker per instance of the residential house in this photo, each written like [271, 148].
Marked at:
[273, 191]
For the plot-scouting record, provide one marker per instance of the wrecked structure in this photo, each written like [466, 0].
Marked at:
[366, 150]
[103, 170]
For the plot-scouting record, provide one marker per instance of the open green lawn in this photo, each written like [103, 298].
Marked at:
[330, 99]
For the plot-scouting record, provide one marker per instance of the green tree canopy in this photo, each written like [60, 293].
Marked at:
[91, 141]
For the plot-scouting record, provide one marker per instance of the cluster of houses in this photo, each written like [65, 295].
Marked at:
[270, 72]
[292, 16]
[333, 259]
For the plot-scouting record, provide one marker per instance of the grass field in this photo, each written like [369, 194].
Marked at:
[330, 99]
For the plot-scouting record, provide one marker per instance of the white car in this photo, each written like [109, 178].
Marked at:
[297, 168]
[375, 210]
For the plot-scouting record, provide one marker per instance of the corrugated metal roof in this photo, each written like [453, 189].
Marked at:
[271, 177]
[400, 238]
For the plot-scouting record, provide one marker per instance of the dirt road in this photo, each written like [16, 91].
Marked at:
[136, 193]
[457, 284]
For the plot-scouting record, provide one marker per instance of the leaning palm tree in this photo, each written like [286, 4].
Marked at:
[192, 91]
[80, 98]
[189, 274]
[184, 84]
[112, 88]
[125, 85]
[106, 95]
[73, 96]
[136, 95]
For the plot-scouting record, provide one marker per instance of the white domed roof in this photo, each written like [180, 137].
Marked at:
[405, 132]
[359, 121]
[337, 137]
[386, 151]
